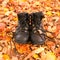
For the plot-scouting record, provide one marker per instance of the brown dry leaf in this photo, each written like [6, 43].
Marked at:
[49, 34]
[58, 36]
[50, 44]
[1, 1]
[52, 29]
[57, 51]
[37, 51]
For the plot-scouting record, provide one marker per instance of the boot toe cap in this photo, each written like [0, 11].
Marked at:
[21, 38]
[37, 39]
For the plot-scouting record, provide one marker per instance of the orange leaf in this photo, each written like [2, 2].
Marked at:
[50, 44]
[2, 26]
[35, 56]
[22, 48]
[15, 19]
[57, 51]
[22, 0]
[1, 1]
[8, 38]
[11, 8]
[6, 57]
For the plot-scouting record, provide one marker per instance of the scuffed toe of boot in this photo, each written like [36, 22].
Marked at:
[37, 39]
[21, 37]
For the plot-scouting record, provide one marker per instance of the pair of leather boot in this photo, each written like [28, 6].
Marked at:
[28, 28]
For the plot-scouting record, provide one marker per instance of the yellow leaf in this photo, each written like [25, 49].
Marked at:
[5, 9]
[15, 19]
[49, 13]
[6, 57]
[11, 8]
[48, 8]
[58, 13]
[22, 0]
[50, 56]
[35, 56]
[37, 3]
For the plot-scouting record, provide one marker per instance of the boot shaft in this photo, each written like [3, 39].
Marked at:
[36, 19]
[30, 19]
[23, 19]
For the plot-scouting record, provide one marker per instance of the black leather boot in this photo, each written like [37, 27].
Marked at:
[22, 34]
[36, 36]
